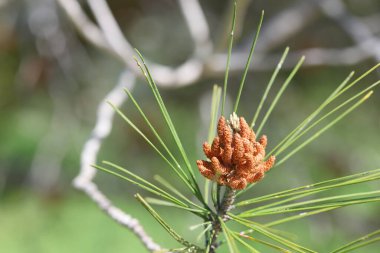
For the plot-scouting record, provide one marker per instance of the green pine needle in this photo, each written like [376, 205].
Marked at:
[307, 121]
[307, 190]
[170, 124]
[299, 216]
[270, 245]
[160, 202]
[231, 41]
[279, 94]
[249, 247]
[178, 170]
[327, 202]
[170, 187]
[301, 132]
[266, 232]
[332, 123]
[269, 86]
[359, 243]
[253, 46]
[146, 186]
[229, 238]
[165, 225]
[215, 101]
[154, 131]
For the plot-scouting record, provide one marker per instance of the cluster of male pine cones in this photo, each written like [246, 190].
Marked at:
[236, 158]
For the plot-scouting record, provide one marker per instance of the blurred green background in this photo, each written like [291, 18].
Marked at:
[48, 105]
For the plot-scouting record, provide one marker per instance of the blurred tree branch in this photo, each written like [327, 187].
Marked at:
[357, 30]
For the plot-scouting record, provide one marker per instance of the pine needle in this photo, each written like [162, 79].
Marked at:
[269, 86]
[359, 243]
[333, 122]
[216, 95]
[160, 202]
[164, 224]
[319, 187]
[268, 244]
[146, 186]
[249, 247]
[304, 123]
[170, 187]
[170, 124]
[279, 94]
[264, 231]
[332, 201]
[154, 131]
[178, 170]
[231, 41]
[229, 238]
[253, 46]
[300, 134]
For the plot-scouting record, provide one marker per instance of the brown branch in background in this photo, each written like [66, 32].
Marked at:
[314, 57]
[187, 73]
[358, 31]
[198, 27]
[83, 24]
[286, 24]
[203, 61]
